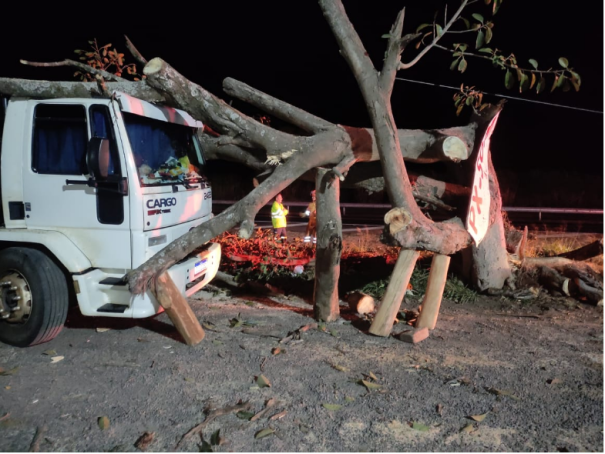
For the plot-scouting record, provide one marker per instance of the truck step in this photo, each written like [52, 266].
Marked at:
[113, 281]
[113, 308]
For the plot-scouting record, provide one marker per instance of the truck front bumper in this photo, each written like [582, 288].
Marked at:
[100, 295]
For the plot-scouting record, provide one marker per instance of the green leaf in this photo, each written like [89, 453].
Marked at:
[486, 50]
[576, 81]
[479, 418]
[563, 62]
[205, 446]
[333, 333]
[478, 16]
[533, 81]
[263, 382]
[488, 35]
[420, 427]
[457, 54]
[332, 407]
[454, 64]
[422, 26]
[463, 47]
[369, 385]
[12, 371]
[439, 29]
[467, 24]
[480, 39]
[459, 109]
[523, 82]
[215, 438]
[387, 36]
[462, 65]
[245, 415]
[561, 80]
[103, 422]
[509, 79]
[497, 4]
[264, 433]
[534, 63]
[541, 85]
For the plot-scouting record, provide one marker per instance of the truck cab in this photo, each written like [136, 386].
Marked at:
[91, 189]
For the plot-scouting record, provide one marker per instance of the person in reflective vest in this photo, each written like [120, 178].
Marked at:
[278, 218]
[311, 213]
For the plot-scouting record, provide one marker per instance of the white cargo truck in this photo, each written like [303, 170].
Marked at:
[91, 189]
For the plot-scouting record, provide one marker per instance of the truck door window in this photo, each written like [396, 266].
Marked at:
[60, 139]
[101, 126]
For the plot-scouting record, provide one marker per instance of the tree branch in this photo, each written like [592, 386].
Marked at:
[76, 64]
[134, 52]
[470, 54]
[435, 38]
[351, 46]
[275, 107]
[43, 89]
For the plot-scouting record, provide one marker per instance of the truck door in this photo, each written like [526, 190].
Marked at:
[97, 221]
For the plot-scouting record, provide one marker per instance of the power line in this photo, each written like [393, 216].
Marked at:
[502, 96]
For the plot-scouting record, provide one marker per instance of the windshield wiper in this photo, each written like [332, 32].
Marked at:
[184, 183]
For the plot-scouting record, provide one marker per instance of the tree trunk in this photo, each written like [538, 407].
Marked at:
[329, 246]
[491, 267]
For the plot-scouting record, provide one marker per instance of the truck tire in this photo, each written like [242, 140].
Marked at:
[33, 296]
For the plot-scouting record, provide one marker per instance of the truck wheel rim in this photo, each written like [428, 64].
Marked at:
[16, 298]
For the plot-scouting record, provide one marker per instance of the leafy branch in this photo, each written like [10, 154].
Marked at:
[103, 58]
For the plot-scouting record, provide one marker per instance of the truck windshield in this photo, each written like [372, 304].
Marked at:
[164, 153]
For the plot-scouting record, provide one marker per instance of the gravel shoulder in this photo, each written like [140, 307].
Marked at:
[535, 370]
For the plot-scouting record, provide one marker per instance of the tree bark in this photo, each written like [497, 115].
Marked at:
[329, 247]
[491, 267]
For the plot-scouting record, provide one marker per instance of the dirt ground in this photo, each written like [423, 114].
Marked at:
[531, 373]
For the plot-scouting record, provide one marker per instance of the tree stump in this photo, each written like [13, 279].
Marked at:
[391, 302]
[434, 292]
[177, 308]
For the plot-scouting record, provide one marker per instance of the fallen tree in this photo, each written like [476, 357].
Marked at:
[283, 157]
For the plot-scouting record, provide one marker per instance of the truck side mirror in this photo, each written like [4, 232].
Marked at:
[97, 157]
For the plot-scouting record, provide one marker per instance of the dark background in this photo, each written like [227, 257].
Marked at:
[544, 155]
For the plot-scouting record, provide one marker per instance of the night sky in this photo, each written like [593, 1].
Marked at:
[286, 49]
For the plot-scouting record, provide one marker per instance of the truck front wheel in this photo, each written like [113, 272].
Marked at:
[33, 297]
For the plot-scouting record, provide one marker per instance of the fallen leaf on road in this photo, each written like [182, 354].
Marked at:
[340, 368]
[554, 381]
[277, 351]
[372, 376]
[215, 438]
[263, 382]
[478, 418]
[144, 441]
[50, 353]
[102, 330]
[349, 399]
[245, 415]
[270, 403]
[468, 428]
[103, 422]
[332, 407]
[420, 427]
[190, 380]
[501, 392]
[5, 417]
[369, 385]
[279, 415]
[217, 342]
[440, 410]
[142, 339]
[56, 359]
[264, 433]
[12, 371]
